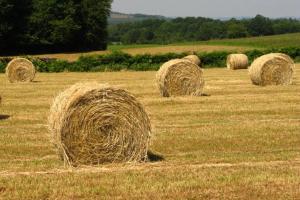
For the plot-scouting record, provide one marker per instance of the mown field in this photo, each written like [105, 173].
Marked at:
[241, 142]
[238, 45]
[275, 41]
[149, 49]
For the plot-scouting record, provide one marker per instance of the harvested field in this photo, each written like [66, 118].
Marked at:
[71, 56]
[134, 50]
[184, 48]
[241, 142]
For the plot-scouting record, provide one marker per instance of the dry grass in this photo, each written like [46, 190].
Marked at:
[184, 48]
[71, 56]
[242, 142]
[134, 50]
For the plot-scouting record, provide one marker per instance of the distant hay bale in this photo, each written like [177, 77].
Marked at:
[237, 61]
[180, 77]
[193, 58]
[93, 124]
[272, 69]
[20, 70]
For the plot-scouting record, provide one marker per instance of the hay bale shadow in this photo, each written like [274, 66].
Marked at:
[154, 157]
[205, 95]
[4, 117]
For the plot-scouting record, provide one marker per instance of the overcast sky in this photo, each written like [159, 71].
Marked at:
[210, 8]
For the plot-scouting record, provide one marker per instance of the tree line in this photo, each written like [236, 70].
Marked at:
[198, 29]
[34, 26]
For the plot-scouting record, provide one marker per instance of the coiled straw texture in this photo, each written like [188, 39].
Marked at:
[272, 69]
[180, 77]
[20, 70]
[93, 124]
[237, 61]
[194, 59]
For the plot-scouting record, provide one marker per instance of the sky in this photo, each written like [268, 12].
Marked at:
[210, 8]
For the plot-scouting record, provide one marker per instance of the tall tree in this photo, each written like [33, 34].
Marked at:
[260, 25]
[94, 16]
[53, 25]
[13, 23]
[29, 26]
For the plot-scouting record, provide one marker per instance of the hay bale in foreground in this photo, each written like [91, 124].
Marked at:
[272, 69]
[237, 61]
[93, 124]
[20, 70]
[180, 77]
[193, 58]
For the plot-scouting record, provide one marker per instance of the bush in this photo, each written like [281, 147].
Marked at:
[214, 59]
[117, 61]
[2, 67]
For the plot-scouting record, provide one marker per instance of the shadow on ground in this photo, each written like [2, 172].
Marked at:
[155, 157]
[4, 117]
[205, 95]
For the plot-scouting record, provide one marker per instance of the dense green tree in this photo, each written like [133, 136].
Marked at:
[194, 29]
[95, 14]
[53, 25]
[13, 23]
[236, 29]
[131, 37]
[260, 25]
[281, 26]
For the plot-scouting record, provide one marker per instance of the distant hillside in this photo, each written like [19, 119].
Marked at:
[190, 29]
[117, 18]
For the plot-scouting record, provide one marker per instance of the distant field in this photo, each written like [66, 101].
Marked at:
[239, 45]
[242, 142]
[276, 41]
[184, 48]
[149, 49]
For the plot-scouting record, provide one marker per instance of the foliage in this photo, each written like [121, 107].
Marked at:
[35, 26]
[13, 18]
[2, 66]
[117, 61]
[165, 31]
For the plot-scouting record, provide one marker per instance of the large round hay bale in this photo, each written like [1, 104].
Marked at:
[272, 69]
[180, 77]
[94, 124]
[20, 70]
[193, 58]
[237, 61]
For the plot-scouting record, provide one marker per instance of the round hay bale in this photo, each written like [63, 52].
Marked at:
[20, 70]
[237, 61]
[194, 59]
[272, 69]
[94, 124]
[180, 77]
